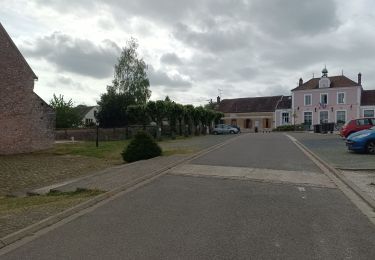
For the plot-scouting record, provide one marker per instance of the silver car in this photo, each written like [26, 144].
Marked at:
[224, 129]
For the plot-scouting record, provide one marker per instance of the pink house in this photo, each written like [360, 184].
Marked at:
[326, 99]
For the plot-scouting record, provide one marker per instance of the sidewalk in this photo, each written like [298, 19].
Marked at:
[115, 177]
[356, 169]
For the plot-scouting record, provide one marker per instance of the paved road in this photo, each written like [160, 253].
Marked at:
[190, 217]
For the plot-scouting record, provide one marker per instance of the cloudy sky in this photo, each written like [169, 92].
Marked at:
[193, 48]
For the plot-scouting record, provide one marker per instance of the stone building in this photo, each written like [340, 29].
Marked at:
[27, 123]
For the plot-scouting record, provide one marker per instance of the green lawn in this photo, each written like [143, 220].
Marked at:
[107, 150]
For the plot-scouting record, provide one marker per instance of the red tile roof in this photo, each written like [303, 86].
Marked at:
[336, 82]
[368, 98]
[247, 105]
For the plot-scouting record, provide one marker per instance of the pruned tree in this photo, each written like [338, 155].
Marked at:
[137, 114]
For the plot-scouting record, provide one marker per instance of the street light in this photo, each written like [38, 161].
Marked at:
[97, 134]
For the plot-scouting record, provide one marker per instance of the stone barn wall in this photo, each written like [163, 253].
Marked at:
[26, 121]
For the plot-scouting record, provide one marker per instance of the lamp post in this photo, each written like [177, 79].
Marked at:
[97, 134]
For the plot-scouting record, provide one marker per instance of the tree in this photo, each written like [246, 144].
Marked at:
[188, 118]
[156, 110]
[137, 114]
[112, 108]
[180, 111]
[66, 115]
[131, 75]
[130, 87]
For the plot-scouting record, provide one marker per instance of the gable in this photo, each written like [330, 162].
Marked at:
[11, 59]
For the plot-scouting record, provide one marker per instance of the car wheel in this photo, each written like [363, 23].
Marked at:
[231, 132]
[370, 147]
[214, 132]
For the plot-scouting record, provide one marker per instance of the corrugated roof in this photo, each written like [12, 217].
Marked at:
[247, 105]
[336, 82]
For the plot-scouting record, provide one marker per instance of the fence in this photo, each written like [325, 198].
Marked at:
[105, 134]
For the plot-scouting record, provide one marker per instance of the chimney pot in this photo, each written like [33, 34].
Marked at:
[360, 78]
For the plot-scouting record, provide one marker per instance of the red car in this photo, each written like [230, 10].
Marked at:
[356, 125]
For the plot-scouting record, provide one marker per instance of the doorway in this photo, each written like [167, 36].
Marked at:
[248, 123]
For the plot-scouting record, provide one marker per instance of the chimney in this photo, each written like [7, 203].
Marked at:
[300, 81]
[360, 78]
[218, 99]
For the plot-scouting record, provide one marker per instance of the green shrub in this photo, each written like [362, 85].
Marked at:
[283, 128]
[142, 147]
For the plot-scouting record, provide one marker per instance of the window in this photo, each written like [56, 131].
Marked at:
[324, 99]
[341, 98]
[368, 113]
[340, 117]
[307, 118]
[365, 121]
[285, 118]
[323, 117]
[308, 98]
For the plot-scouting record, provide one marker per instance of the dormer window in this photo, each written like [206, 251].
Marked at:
[324, 81]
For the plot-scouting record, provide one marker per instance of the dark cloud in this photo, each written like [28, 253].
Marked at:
[75, 55]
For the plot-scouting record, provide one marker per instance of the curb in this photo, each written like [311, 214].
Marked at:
[369, 201]
[32, 229]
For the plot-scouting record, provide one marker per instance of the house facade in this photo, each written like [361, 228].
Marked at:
[335, 99]
[250, 113]
[27, 123]
[87, 114]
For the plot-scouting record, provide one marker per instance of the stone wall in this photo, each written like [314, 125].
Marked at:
[26, 121]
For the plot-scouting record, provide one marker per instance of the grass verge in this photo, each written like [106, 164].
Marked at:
[17, 212]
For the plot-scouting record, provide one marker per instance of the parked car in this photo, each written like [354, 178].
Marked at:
[362, 141]
[236, 126]
[356, 125]
[224, 129]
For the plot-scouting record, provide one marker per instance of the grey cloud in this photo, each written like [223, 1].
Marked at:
[66, 83]
[283, 18]
[160, 78]
[217, 39]
[75, 55]
[170, 59]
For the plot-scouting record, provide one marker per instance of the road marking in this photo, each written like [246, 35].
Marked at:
[301, 189]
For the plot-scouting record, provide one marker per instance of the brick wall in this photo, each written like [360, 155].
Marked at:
[26, 121]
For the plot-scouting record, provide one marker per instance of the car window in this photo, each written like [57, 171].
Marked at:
[365, 121]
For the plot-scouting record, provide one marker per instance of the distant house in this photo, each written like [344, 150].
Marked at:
[27, 123]
[284, 112]
[334, 99]
[253, 113]
[87, 114]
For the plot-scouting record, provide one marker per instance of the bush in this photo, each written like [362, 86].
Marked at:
[142, 147]
[283, 128]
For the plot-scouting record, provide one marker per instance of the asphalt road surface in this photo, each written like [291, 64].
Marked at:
[179, 216]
